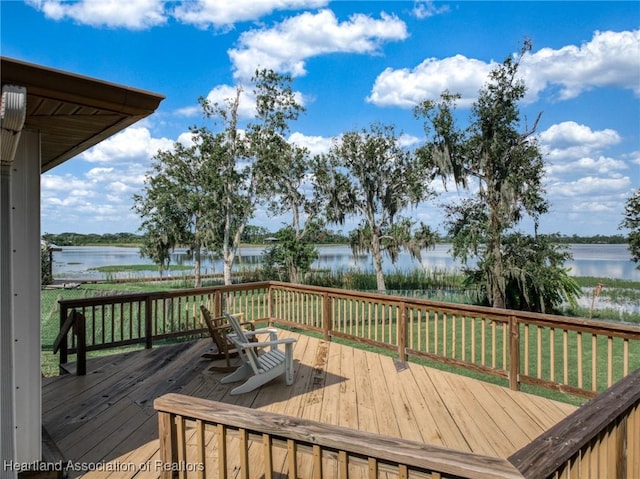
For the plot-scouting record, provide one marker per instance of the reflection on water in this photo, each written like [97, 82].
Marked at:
[612, 261]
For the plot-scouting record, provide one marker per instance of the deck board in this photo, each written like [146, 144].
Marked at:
[107, 415]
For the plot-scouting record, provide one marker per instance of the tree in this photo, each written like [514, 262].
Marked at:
[534, 275]
[250, 173]
[234, 189]
[632, 223]
[369, 175]
[254, 234]
[503, 164]
[45, 264]
[290, 174]
[156, 245]
[204, 195]
[175, 207]
[292, 254]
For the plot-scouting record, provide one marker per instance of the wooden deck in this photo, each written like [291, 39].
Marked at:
[106, 418]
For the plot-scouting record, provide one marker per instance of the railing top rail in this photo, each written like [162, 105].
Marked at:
[542, 457]
[503, 315]
[136, 297]
[413, 454]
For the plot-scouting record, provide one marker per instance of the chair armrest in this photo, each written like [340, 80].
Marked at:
[262, 331]
[264, 344]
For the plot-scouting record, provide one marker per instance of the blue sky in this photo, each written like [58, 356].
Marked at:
[353, 63]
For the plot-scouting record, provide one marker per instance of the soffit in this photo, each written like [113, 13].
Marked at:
[74, 112]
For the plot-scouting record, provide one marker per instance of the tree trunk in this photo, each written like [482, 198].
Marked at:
[377, 262]
[293, 274]
[497, 279]
[228, 264]
[197, 264]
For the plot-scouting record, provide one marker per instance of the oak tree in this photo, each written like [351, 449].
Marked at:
[369, 175]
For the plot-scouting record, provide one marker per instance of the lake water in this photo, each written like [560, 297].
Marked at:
[75, 263]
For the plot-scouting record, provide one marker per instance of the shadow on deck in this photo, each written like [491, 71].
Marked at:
[106, 421]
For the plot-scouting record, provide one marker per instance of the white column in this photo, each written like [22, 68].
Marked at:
[7, 410]
[26, 285]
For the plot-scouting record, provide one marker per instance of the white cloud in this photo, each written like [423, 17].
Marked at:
[186, 139]
[426, 9]
[610, 59]
[130, 14]
[285, 47]
[407, 87]
[98, 174]
[569, 141]
[189, 111]
[405, 140]
[634, 157]
[589, 186]
[134, 144]
[315, 144]
[570, 133]
[102, 194]
[225, 94]
[205, 13]
[51, 185]
[601, 166]
[143, 14]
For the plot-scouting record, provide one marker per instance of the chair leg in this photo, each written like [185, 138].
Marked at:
[288, 363]
[256, 381]
[239, 374]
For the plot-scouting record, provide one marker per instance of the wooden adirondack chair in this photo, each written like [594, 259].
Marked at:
[260, 365]
[218, 329]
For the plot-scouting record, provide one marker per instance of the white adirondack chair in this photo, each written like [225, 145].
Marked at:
[258, 369]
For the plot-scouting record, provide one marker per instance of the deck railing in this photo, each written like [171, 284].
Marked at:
[569, 354]
[600, 439]
[145, 318]
[202, 438]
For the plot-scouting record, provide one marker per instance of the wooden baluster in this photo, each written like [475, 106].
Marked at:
[222, 451]
[552, 354]
[514, 357]
[594, 362]
[167, 435]
[292, 457]
[343, 465]
[244, 453]
[579, 347]
[267, 447]
[565, 356]
[200, 443]
[181, 446]
[317, 462]
[402, 333]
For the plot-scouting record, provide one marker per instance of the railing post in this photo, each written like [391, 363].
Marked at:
[148, 324]
[327, 320]
[167, 433]
[80, 330]
[402, 333]
[217, 303]
[64, 354]
[270, 303]
[514, 353]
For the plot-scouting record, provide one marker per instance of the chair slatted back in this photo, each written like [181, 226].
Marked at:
[249, 354]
